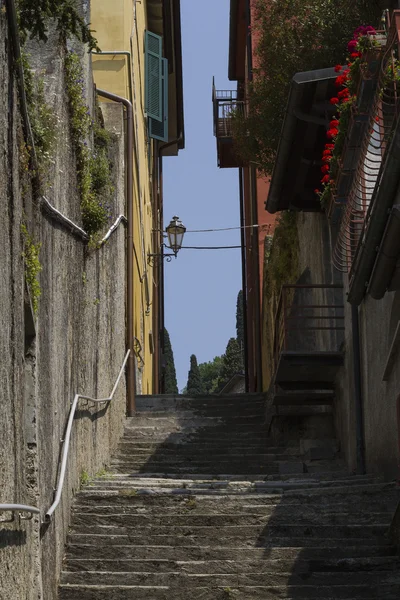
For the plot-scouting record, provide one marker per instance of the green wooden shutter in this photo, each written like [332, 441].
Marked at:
[159, 129]
[153, 66]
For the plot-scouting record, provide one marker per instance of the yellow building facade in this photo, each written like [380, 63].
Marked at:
[141, 61]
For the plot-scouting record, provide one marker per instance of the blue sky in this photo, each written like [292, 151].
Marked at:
[201, 286]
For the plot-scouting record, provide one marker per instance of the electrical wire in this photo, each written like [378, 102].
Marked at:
[267, 226]
[208, 247]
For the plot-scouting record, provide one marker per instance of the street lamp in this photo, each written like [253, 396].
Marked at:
[175, 232]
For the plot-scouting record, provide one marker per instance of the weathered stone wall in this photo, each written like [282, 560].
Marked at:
[78, 344]
[378, 323]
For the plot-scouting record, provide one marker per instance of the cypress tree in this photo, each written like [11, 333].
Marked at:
[240, 324]
[231, 362]
[194, 385]
[171, 385]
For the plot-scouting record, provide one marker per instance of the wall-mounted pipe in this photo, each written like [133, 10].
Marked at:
[244, 279]
[129, 246]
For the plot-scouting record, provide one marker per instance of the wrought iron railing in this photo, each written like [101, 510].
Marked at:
[381, 119]
[226, 104]
[309, 318]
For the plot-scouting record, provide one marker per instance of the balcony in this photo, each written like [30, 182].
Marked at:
[367, 245]
[225, 104]
[309, 332]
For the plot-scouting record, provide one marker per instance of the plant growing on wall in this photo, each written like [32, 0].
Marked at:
[345, 101]
[32, 266]
[293, 36]
[35, 17]
[92, 167]
[42, 118]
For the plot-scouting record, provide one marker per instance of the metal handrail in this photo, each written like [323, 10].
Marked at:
[22, 508]
[282, 316]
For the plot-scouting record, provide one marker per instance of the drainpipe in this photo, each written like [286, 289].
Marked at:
[244, 286]
[253, 176]
[358, 390]
[129, 200]
[162, 272]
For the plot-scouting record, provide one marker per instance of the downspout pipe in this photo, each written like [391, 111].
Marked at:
[174, 142]
[244, 287]
[129, 259]
[359, 411]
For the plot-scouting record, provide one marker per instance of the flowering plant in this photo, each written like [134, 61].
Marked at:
[344, 100]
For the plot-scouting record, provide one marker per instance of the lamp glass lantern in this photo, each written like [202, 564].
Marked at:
[175, 231]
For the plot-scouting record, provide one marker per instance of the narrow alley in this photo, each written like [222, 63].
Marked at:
[200, 503]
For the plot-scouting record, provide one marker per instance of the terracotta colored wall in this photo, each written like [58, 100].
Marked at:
[264, 218]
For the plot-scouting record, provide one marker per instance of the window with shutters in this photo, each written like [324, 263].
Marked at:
[156, 92]
[159, 129]
[154, 68]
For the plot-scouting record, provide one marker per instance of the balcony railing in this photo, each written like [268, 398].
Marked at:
[309, 320]
[373, 143]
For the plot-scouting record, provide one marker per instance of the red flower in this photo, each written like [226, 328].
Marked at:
[317, 192]
[325, 179]
[377, 119]
[341, 80]
[351, 46]
[338, 68]
[334, 100]
[325, 169]
[327, 154]
[329, 146]
[334, 123]
[355, 55]
[344, 93]
[326, 159]
[331, 133]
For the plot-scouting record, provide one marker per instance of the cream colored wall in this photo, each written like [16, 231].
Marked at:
[120, 26]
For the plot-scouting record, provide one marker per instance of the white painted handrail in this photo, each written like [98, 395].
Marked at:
[22, 508]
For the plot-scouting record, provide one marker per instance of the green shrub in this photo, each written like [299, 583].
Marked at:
[35, 17]
[93, 168]
[41, 115]
[292, 36]
[32, 266]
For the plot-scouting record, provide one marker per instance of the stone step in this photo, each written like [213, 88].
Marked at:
[206, 553]
[240, 445]
[194, 420]
[183, 541]
[187, 580]
[223, 481]
[296, 564]
[292, 565]
[303, 515]
[303, 397]
[98, 525]
[181, 504]
[126, 592]
[222, 435]
[144, 449]
[186, 404]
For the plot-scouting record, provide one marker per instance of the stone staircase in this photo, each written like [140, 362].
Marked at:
[200, 504]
